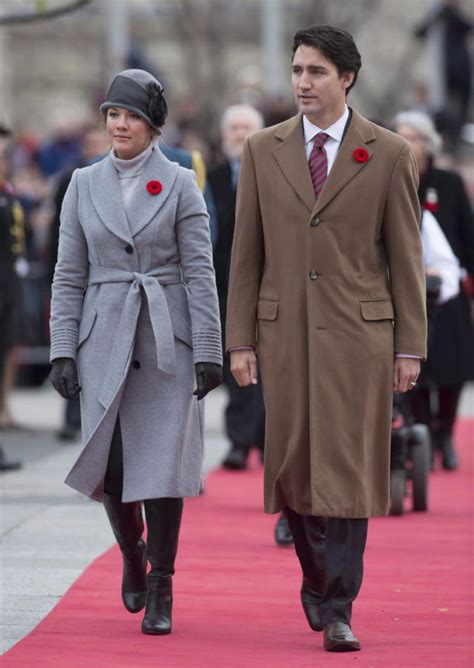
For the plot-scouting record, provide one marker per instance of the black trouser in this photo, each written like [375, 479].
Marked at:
[245, 413]
[336, 546]
[72, 414]
[5, 315]
[443, 417]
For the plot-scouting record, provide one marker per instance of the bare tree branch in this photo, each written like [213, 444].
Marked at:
[11, 19]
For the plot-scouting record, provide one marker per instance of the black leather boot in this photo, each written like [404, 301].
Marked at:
[127, 524]
[163, 517]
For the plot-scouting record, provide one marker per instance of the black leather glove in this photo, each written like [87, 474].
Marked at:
[208, 376]
[63, 376]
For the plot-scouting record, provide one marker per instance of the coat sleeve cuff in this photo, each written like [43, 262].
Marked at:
[63, 344]
[207, 347]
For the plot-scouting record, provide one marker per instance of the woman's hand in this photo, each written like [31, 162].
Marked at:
[208, 377]
[63, 377]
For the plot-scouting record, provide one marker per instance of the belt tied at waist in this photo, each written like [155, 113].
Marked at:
[151, 284]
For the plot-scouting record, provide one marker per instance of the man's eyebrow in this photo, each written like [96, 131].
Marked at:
[321, 68]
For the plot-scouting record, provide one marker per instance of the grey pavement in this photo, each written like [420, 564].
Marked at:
[50, 533]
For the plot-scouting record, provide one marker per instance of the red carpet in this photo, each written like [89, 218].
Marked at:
[236, 593]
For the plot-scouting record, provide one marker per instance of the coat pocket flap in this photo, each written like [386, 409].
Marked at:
[267, 309]
[181, 328]
[85, 328]
[380, 309]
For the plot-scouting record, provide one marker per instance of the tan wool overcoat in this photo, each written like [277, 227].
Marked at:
[328, 291]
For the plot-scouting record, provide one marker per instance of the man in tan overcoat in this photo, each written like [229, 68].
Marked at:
[327, 287]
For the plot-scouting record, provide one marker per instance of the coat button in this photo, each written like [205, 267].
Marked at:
[313, 275]
[315, 222]
[136, 364]
[129, 249]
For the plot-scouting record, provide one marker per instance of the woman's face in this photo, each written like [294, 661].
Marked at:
[418, 143]
[129, 133]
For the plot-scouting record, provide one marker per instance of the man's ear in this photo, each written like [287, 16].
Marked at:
[346, 79]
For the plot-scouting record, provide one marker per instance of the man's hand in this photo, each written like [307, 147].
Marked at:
[243, 365]
[405, 373]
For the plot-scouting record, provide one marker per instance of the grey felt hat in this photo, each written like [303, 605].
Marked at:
[140, 92]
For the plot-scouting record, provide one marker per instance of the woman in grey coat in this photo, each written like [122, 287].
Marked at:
[134, 326]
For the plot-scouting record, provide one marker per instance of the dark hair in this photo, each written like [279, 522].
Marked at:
[335, 44]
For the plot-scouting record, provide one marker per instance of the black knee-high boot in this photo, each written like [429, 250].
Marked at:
[163, 518]
[127, 524]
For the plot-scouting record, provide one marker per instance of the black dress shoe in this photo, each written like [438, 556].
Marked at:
[338, 637]
[6, 464]
[283, 535]
[449, 457]
[236, 460]
[69, 434]
[310, 600]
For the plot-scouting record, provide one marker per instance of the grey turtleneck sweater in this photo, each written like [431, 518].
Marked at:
[129, 175]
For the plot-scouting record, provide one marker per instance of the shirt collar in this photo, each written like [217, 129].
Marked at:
[335, 131]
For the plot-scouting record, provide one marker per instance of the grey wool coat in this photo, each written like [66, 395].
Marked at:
[135, 303]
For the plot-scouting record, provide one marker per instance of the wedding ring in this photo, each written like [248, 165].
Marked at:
[412, 383]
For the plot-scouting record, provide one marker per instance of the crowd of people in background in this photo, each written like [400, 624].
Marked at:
[34, 176]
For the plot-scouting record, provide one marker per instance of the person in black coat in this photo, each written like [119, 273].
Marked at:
[11, 249]
[245, 413]
[451, 352]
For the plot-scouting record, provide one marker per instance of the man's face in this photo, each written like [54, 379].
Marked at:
[320, 92]
[234, 134]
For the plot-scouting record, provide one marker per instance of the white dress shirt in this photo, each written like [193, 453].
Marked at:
[438, 256]
[335, 132]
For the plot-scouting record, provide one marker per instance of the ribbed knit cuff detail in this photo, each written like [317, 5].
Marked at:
[63, 344]
[207, 347]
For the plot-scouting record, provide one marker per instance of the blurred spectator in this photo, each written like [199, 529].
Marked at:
[277, 109]
[11, 251]
[439, 260]
[451, 353]
[454, 30]
[62, 150]
[245, 413]
[193, 160]
[93, 147]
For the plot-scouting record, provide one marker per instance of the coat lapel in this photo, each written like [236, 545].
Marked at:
[359, 134]
[106, 195]
[291, 157]
[144, 205]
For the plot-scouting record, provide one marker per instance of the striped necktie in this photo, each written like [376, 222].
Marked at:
[318, 162]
